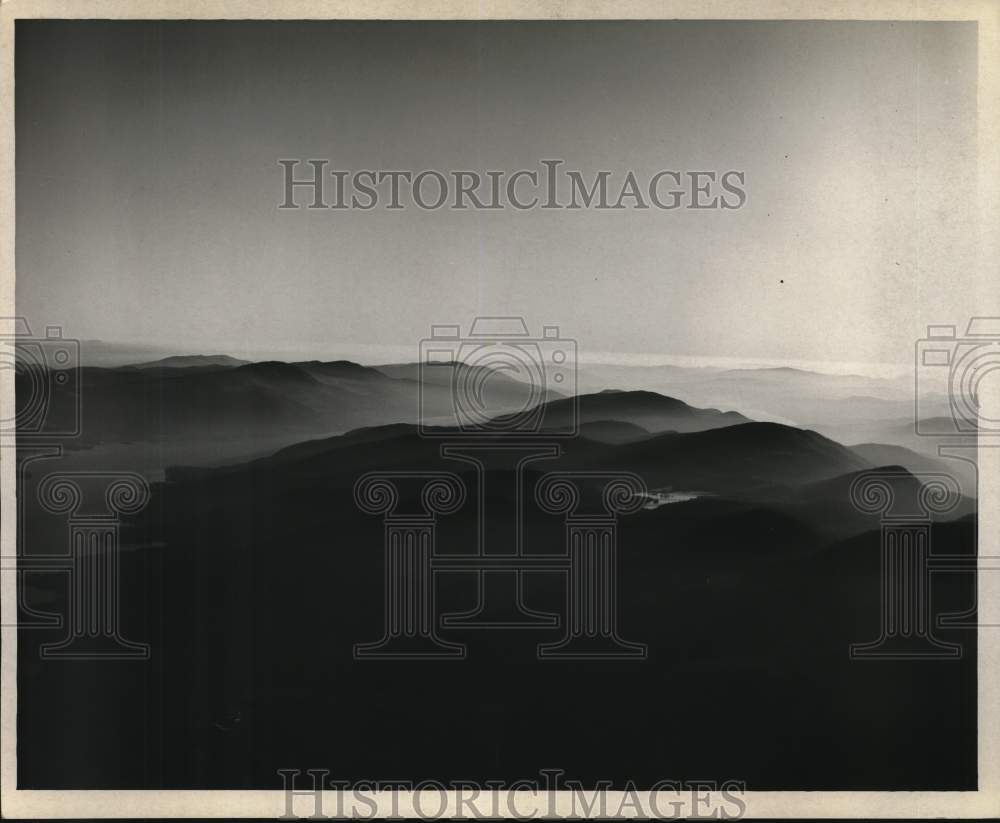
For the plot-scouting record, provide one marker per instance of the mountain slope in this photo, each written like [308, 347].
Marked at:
[750, 457]
[613, 431]
[645, 409]
[828, 503]
[202, 413]
[884, 454]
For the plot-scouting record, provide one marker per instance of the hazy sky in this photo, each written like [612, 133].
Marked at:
[147, 182]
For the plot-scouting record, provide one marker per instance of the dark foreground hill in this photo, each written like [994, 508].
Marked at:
[745, 572]
[254, 582]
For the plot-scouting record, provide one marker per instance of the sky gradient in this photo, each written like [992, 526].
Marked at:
[148, 183]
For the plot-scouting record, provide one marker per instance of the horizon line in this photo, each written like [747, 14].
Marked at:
[376, 354]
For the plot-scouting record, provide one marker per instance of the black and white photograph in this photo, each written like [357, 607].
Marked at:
[481, 413]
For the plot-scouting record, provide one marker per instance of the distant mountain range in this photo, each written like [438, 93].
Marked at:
[213, 409]
[186, 361]
[209, 410]
[204, 410]
[786, 395]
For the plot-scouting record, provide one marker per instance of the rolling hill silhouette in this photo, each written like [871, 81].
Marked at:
[252, 572]
[887, 454]
[745, 598]
[648, 410]
[747, 456]
[205, 412]
[184, 361]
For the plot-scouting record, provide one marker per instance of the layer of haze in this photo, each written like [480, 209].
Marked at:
[147, 183]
